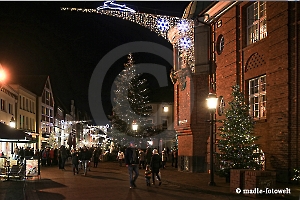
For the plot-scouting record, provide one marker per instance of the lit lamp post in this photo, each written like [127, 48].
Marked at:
[212, 101]
[135, 128]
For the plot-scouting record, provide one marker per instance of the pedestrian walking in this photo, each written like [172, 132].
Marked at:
[75, 161]
[176, 157]
[63, 155]
[148, 156]
[164, 158]
[51, 156]
[44, 157]
[120, 157]
[131, 161]
[96, 157]
[141, 159]
[59, 158]
[172, 157]
[85, 158]
[155, 165]
[168, 154]
[148, 175]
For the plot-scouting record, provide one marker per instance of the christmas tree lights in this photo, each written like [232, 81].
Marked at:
[131, 104]
[237, 144]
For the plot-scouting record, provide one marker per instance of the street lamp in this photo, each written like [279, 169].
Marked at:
[2, 74]
[134, 128]
[212, 101]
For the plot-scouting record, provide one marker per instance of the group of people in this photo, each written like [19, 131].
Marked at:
[80, 157]
[151, 161]
[135, 159]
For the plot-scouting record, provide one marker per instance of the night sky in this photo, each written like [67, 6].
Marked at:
[37, 38]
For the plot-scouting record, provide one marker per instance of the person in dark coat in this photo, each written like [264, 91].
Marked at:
[63, 155]
[155, 165]
[85, 157]
[59, 158]
[132, 162]
[176, 157]
[96, 157]
[75, 161]
[148, 156]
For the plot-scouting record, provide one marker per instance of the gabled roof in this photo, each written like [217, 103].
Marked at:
[34, 83]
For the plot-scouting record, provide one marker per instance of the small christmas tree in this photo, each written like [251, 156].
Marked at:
[237, 144]
[52, 141]
[131, 99]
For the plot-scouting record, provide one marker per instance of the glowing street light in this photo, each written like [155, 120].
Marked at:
[134, 126]
[212, 102]
[2, 74]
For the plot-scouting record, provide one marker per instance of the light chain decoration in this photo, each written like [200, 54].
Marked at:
[160, 24]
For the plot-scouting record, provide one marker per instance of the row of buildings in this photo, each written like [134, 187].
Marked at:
[28, 102]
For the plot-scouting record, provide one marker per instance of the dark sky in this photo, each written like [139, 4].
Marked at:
[38, 38]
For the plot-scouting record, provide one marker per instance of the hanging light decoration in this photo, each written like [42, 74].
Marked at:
[185, 43]
[160, 24]
[183, 26]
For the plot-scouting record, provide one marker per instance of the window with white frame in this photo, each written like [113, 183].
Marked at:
[257, 97]
[256, 22]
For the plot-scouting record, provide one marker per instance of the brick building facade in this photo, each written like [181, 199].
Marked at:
[255, 45]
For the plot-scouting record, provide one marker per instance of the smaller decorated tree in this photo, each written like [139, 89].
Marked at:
[52, 141]
[237, 148]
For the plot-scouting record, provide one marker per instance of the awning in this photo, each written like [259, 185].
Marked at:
[8, 134]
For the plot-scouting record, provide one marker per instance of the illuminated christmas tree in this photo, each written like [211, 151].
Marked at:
[237, 144]
[131, 99]
[52, 141]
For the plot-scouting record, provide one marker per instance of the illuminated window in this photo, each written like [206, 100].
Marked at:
[256, 22]
[257, 97]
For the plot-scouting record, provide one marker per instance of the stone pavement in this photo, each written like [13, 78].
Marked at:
[111, 181]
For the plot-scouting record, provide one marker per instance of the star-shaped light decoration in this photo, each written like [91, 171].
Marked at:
[183, 25]
[162, 24]
[185, 43]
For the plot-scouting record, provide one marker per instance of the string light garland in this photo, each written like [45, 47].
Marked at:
[178, 31]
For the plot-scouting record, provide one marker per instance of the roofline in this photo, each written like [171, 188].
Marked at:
[212, 13]
[23, 88]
